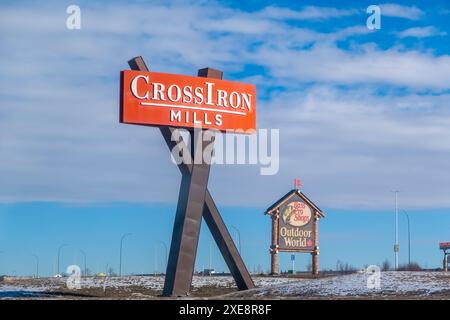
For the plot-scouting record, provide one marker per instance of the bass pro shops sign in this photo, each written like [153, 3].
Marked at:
[161, 99]
[296, 227]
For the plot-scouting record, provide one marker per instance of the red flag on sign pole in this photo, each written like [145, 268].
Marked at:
[297, 183]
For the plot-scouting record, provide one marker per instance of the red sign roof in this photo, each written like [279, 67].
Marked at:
[444, 245]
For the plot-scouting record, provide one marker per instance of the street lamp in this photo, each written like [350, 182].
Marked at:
[409, 239]
[59, 254]
[210, 258]
[37, 264]
[165, 248]
[396, 248]
[239, 238]
[84, 255]
[121, 246]
[2, 252]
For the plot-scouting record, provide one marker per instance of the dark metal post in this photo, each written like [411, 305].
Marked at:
[445, 261]
[186, 231]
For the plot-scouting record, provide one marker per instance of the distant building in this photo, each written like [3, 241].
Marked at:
[208, 272]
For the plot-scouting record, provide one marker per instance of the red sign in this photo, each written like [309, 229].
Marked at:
[161, 99]
[444, 245]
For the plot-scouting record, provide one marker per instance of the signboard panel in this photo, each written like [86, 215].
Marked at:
[444, 245]
[296, 226]
[161, 99]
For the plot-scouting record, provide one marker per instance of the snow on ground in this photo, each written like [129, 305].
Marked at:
[157, 282]
[36, 287]
[391, 283]
[352, 285]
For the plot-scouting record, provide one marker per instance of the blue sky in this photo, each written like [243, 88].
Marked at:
[360, 113]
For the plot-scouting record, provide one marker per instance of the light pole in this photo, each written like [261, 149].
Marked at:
[210, 258]
[165, 248]
[409, 239]
[85, 269]
[37, 264]
[59, 254]
[239, 238]
[396, 247]
[156, 261]
[121, 247]
[1, 253]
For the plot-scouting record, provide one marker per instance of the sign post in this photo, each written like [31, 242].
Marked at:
[140, 106]
[445, 246]
[293, 263]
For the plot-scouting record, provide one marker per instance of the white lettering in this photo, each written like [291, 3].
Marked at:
[177, 94]
[209, 86]
[134, 87]
[175, 115]
[222, 98]
[236, 100]
[158, 90]
[198, 92]
[187, 94]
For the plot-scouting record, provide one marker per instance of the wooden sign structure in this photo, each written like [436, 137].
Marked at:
[170, 101]
[295, 227]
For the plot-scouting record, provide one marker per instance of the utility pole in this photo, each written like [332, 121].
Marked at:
[409, 239]
[59, 254]
[85, 269]
[210, 257]
[165, 256]
[239, 239]
[0, 253]
[156, 260]
[120, 254]
[37, 264]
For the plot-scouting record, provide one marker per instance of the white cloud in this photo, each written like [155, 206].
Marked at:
[399, 11]
[367, 64]
[60, 138]
[421, 32]
[307, 13]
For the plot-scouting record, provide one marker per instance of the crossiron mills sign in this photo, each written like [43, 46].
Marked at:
[296, 230]
[162, 99]
[171, 102]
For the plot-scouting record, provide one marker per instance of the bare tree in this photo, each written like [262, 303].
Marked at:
[111, 272]
[413, 266]
[386, 266]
